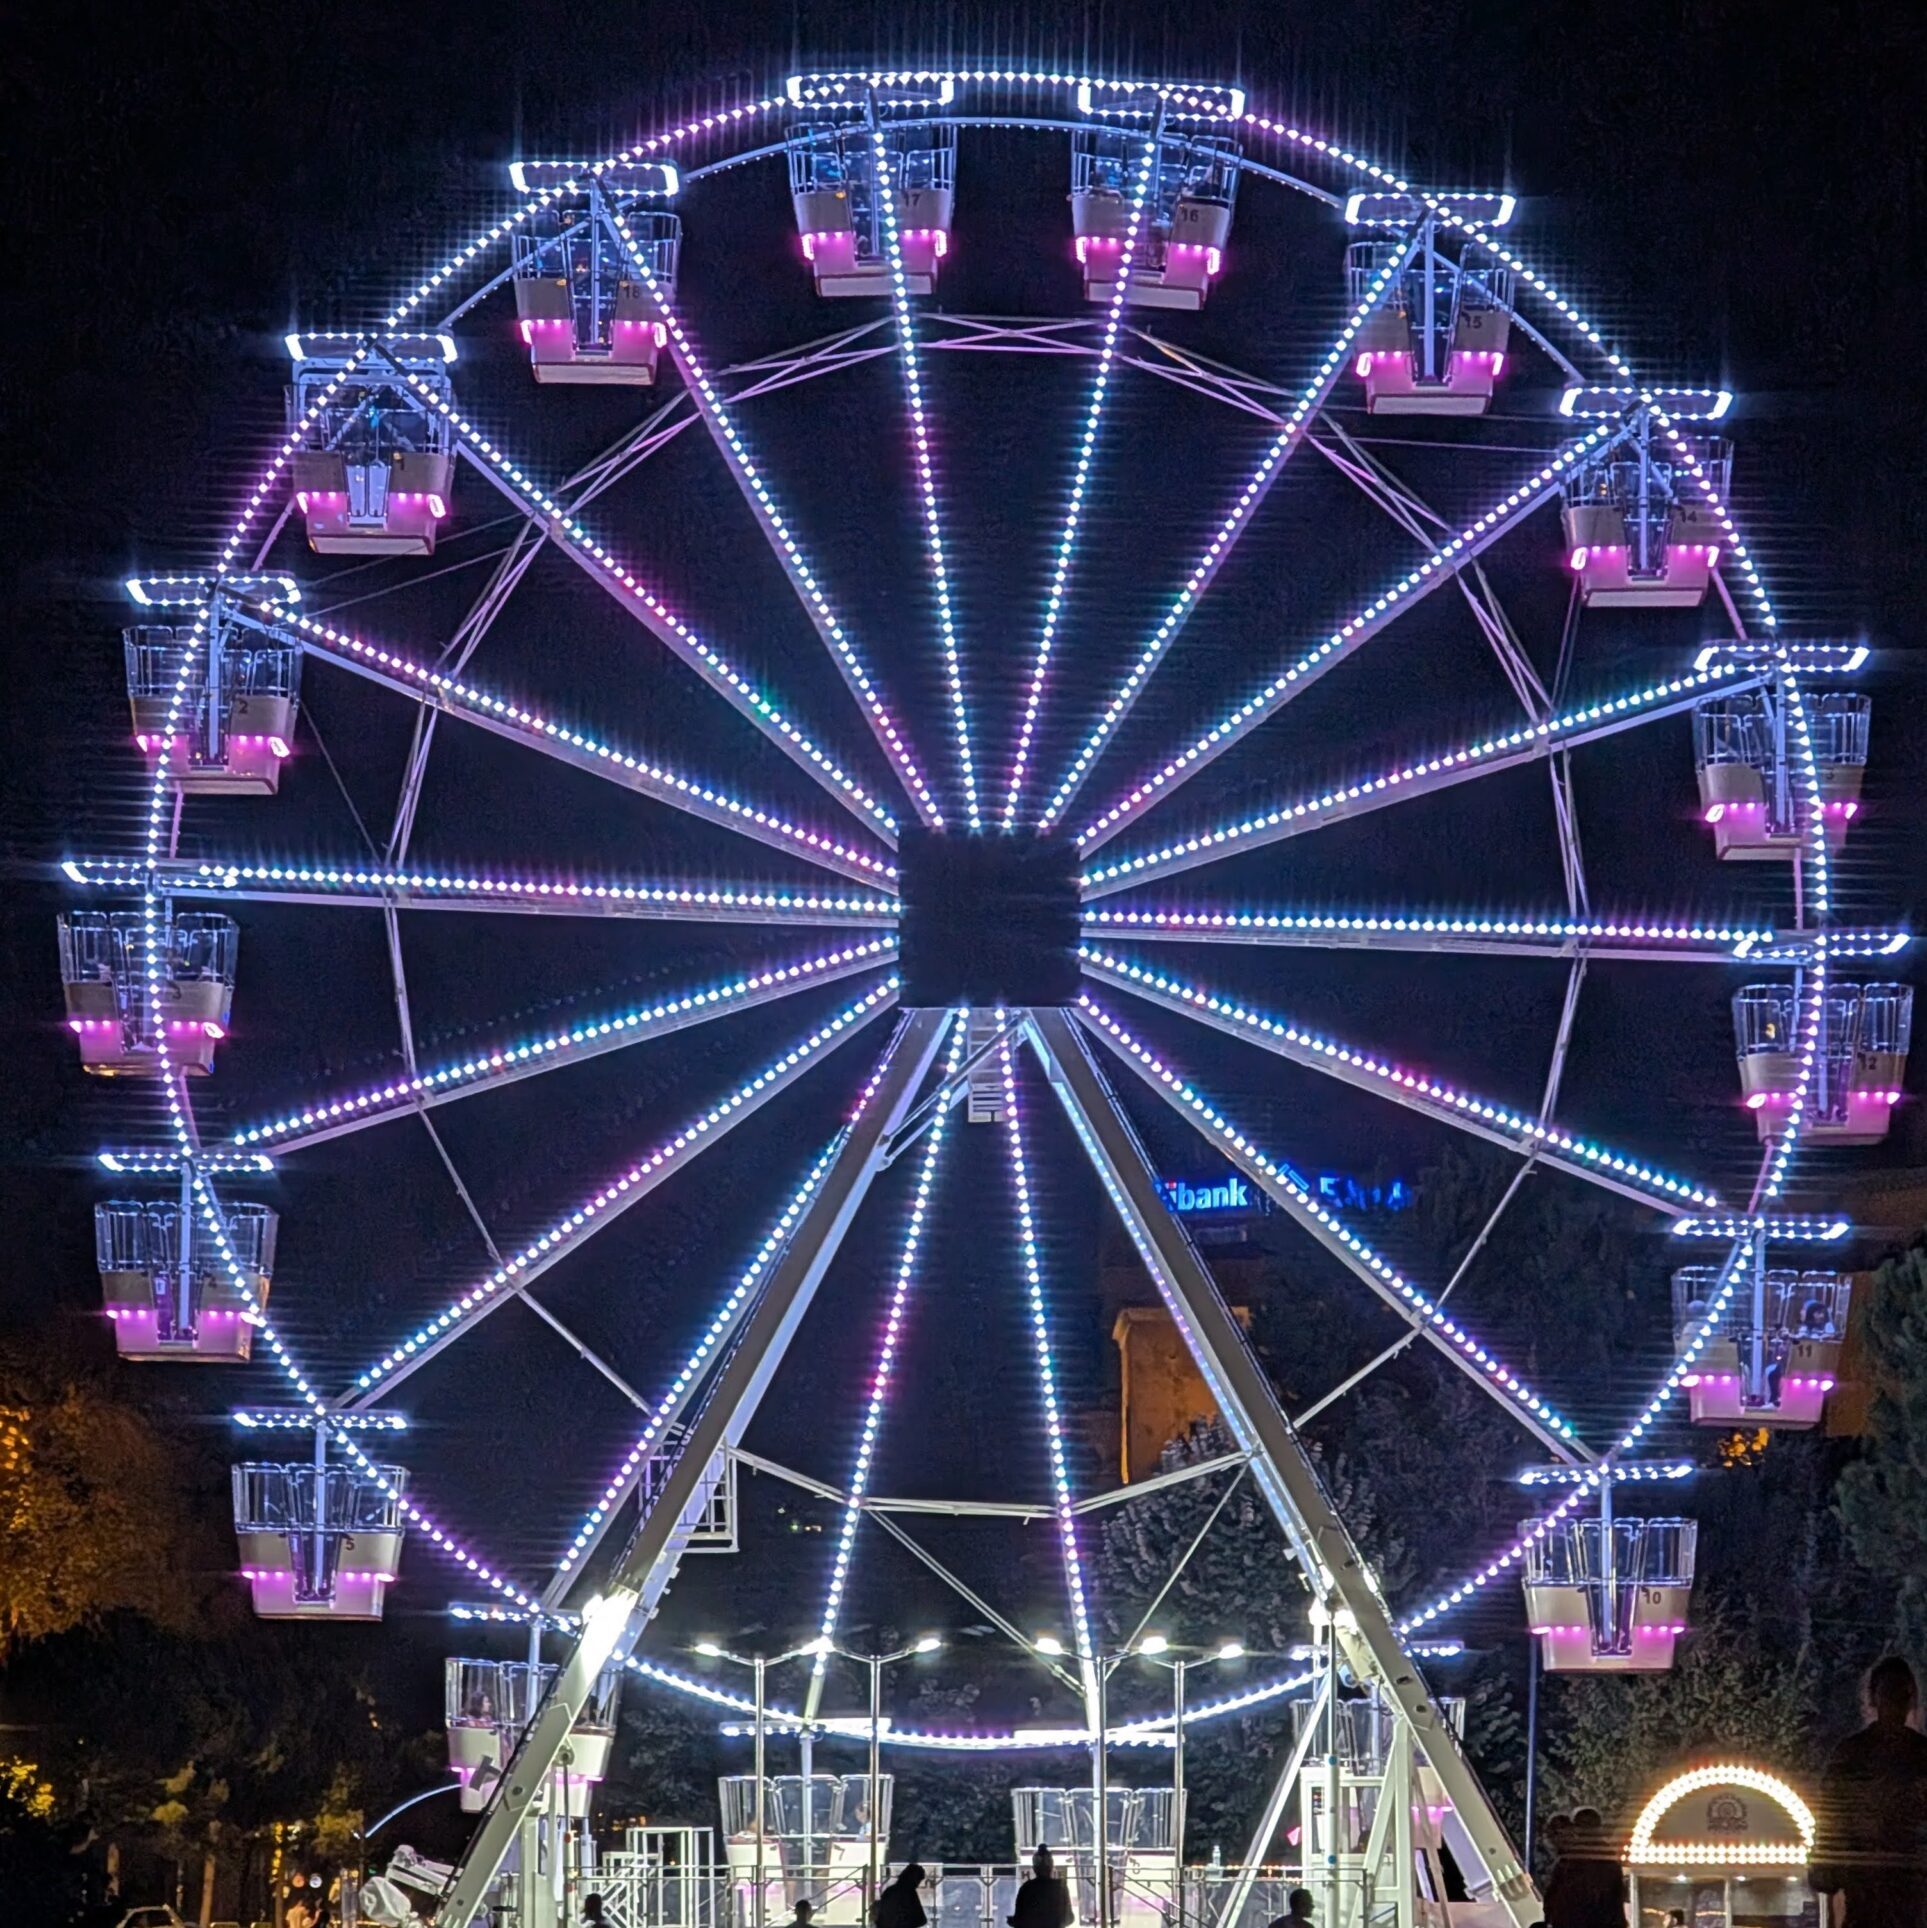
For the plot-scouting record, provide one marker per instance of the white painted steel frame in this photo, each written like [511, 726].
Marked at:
[1328, 1560]
[741, 1377]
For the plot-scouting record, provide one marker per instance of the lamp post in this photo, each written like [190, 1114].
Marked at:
[876, 1663]
[758, 1664]
[1153, 1647]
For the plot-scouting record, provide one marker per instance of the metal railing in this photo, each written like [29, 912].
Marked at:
[644, 1887]
[1799, 1305]
[105, 946]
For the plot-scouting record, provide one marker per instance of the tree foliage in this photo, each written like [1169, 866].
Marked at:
[1882, 1497]
[1611, 1738]
[92, 1520]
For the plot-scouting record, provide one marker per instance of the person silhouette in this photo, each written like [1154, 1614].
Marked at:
[897, 1906]
[1044, 1899]
[1872, 1838]
[1297, 1910]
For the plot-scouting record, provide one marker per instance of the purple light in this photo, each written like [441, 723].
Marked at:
[887, 1344]
[1234, 1141]
[1046, 1375]
[1455, 1106]
[654, 779]
[619, 1193]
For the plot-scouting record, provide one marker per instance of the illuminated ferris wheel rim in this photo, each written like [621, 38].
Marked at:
[1228, 111]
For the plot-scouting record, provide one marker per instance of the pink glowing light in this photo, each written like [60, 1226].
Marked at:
[1363, 366]
[437, 507]
[1580, 557]
[215, 1031]
[278, 747]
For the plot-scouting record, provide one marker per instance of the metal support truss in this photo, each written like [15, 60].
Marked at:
[1282, 1788]
[1424, 777]
[1560, 1445]
[632, 1591]
[381, 1380]
[1329, 1561]
[354, 886]
[1497, 1124]
[626, 770]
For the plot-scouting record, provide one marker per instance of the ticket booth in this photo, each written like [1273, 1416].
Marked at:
[1723, 1847]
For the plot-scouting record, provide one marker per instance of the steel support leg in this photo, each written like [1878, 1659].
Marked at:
[642, 1574]
[1329, 1560]
[1270, 1820]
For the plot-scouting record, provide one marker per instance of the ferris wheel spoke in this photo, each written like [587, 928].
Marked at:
[783, 544]
[1538, 934]
[335, 1116]
[1218, 550]
[626, 769]
[1086, 1655]
[1426, 1318]
[922, 429]
[605, 1206]
[1532, 743]
[1411, 589]
[909, 1265]
[656, 1435]
[1537, 1138]
[355, 886]
[648, 608]
[1059, 589]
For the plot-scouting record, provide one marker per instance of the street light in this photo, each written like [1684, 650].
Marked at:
[1152, 1647]
[757, 1664]
[927, 1644]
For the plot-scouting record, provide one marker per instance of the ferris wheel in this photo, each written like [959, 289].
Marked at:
[984, 846]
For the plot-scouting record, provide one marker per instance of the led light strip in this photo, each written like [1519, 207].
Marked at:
[1646, 1472]
[656, 615]
[1046, 1375]
[1642, 1849]
[1204, 924]
[1775, 1230]
[641, 1178]
[1080, 481]
[908, 1261]
[921, 430]
[1441, 1101]
[217, 877]
[1749, 1232]
[180, 1116]
[1218, 1126]
[788, 551]
[639, 773]
[155, 1162]
[1219, 548]
[629, 1027]
[1417, 583]
[698, 1361]
[1493, 752]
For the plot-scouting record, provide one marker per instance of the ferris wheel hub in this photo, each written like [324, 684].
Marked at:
[988, 919]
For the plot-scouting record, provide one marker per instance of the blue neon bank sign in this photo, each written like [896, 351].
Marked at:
[1233, 1193]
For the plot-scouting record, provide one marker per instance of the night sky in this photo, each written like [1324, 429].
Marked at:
[1737, 199]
